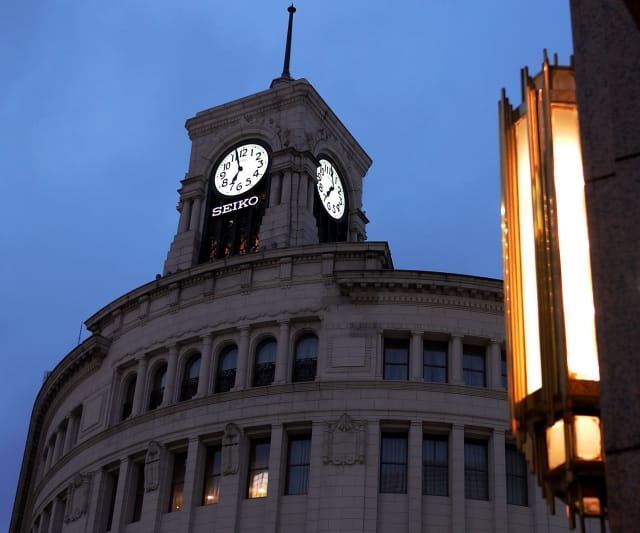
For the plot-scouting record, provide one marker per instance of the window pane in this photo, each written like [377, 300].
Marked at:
[139, 492]
[306, 356]
[298, 460]
[434, 360]
[473, 363]
[258, 469]
[435, 466]
[393, 463]
[226, 374]
[476, 470]
[517, 492]
[265, 363]
[396, 359]
[157, 390]
[177, 482]
[212, 475]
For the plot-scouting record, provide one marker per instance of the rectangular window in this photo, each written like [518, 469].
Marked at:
[396, 359]
[298, 459]
[434, 361]
[177, 481]
[476, 470]
[503, 369]
[211, 493]
[393, 463]
[473, 366]
[435, 465]
[517, 492]
[111, 489]
[138, 495]
[258, 468]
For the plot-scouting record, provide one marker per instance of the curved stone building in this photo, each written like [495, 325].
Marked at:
[281, 375]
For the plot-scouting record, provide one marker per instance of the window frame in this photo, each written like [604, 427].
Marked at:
[428, 346]
[387, 487]
[128, 393]
[432, 465]
[475, 473]
[254, 469]
[157, 386]
[471, 352]
[212, 474]
[264, 372]
[189, 383]
[223, 376]
[292, 467]
[517, 481]
[307, 370]
[178, 475]
[388, 365]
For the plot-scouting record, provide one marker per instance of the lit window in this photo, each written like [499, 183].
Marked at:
[473, 366]
[127, 399]
[157, 387]
[212, 475]
[298, 459]
[435, 465]
[434, 361]
[177, 482]
[476, 470]
[258, 468]
[393, 463]
[517, 492]
[396, 359]
[226, 374]
[265, 365]
[306, 359]
[189, 386]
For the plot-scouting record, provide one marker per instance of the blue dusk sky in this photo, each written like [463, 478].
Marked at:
[94, 97]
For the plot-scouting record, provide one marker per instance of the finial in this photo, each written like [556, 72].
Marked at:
[287, 51]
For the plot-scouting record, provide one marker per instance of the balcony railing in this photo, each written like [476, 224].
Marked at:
[188, 389]
[305, 369]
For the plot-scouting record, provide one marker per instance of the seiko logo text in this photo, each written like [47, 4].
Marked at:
[234, 206]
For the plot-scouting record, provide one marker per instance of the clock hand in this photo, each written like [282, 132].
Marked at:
[329, 192]
[237, 171]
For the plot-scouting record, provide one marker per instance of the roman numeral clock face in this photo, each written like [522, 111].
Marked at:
[241, 169]
[330, 189]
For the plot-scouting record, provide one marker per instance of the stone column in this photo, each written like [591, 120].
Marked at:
[189, 495]
[456, 466]
[493, 355]
[205, 366]
[499, 495]
[119, 509]
[415, 476]
[416, 357]
[138, 393]
[71, 430]
[194, 220]
[282, 355]
[455, 360]
[243, 359]
[185, 216]
[170, 383]
[270, 516]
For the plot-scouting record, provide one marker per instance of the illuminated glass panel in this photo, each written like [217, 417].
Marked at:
[556, 453]
[588, 438]
[258, 469]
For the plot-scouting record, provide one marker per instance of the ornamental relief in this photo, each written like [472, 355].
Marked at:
[152, 467]
[344, 442]
[78, 497]
[230, 449]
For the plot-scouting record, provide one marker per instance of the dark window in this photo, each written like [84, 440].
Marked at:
[434, 361]
[211, 492]
[393, 463]
[177, 481]
[258, 468]
[396, 359]
[517, 493]
[138, 496]
[503, 369]
[189, 386]
[157, 387]
[111, 489]
[265, 366]
[476, 470]
[473, 366]
[127, 399]
[226, 374]
[306, 359]
[298, 459]
[57, 521]
[435, 465]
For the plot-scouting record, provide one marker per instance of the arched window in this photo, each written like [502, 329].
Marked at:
[265, 364]
[127, 397]
[157, 387]
[190, 380]
[226, 372]
[306, 359]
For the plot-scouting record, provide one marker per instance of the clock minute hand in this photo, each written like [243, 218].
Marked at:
[329, 192]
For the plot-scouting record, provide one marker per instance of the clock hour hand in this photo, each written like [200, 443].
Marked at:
[329, 192]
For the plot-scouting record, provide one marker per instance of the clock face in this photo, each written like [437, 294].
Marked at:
[241, 169]
[330, 189]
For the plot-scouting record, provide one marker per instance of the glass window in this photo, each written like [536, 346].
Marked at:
[396, 359]
[111, 489]
[503, 369]
[435, 465]
[258, 468]
[434, 361]
[138, 495]
[265, 366]
[157, 387]
[177, 481]
[298, 459]
[127, 399]
[226, 374]
[189, 386]
[517, 492]
[476, 470]
[473, 366]
[211, 492]
[306, 358]
[393, 463]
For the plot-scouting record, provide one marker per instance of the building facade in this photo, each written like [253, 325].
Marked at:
[281, 375]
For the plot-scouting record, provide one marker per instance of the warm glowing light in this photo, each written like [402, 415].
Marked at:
[577, 293]
[588, 438]
[258, 485]
[591, 506]
[556, 452]
[528, 260]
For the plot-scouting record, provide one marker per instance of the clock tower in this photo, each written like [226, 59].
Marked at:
[272, 170]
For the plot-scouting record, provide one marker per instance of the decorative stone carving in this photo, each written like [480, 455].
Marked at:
[344, 442]
[78, 497]
[230, 452]
[152, 467]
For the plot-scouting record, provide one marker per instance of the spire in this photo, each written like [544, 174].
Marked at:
[287, 50]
